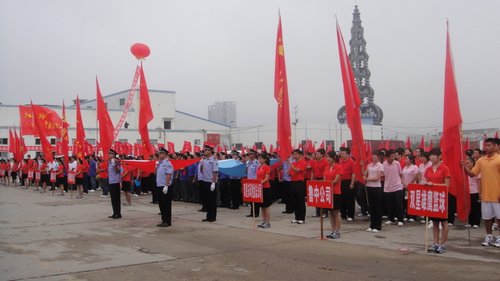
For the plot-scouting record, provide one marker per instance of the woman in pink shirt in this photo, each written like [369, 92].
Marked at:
[373, 175]
[410, 173]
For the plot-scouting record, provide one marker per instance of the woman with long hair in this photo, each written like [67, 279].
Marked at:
[333, 173]
[263, 174]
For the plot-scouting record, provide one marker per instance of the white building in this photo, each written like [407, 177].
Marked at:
[168, 124]
[223, 112]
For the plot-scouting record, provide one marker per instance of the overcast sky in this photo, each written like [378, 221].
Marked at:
[217, 50]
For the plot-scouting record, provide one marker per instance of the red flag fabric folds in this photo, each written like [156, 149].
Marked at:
[352, 107]
[145, 116]
[49, 121]
[65, 138]
[451, 141]
[106, 128]
[284, 129]
[46, 147]
[79, 145]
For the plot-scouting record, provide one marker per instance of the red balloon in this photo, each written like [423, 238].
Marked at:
[140, 50]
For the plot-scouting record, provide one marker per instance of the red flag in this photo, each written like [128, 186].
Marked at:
[322, 145]
[219, 149]
[408, 142]
[369, 152]
[171, 147]
[243, 150]
[79, 148]
[137, 149]
[145, 116]
[422, 143]
[106, 128]
[187, 147]
[271, 148]
[343, 144]
[263, 148]
[12, 143]
[284, 129]
[496, 134]
[309, 147]
[197, 149]
[50, 121]
[387, 145]
[19, 155]
[329, 147]
[352, 107]
[451, 141]
[46, 147]
[431, 145]
[65, 138]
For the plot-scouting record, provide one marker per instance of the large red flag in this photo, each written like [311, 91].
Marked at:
[18, 154]
[46, 147]
[352, 107]
[65, 138]
[106, 128]
[170, 147]
[49, 120]
[145, 116]
[79, 145]
[284, 129]
[451, 141]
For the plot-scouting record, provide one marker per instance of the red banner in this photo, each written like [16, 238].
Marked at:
[428, 200]
[252, 191]
[319, 194]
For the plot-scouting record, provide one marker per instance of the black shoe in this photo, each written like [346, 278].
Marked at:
[204, 220]
[117, 217]
[163, 224]
[159, 214]
[154, 202]
[202, 210]
[111, 217]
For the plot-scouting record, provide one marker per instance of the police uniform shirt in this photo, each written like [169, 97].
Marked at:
[252, 166]
[113, 175]
[286, 168]
[164, 167]
[207, 168]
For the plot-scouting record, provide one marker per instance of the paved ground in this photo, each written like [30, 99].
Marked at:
[45, 237]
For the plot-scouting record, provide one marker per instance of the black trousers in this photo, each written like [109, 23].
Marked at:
[210, 198]
[395, 204]
[452, 207]
[236, 196]
[225, 192]
[475, 210]
[347, 197]
[203, 195]
[114, 191]
[286, 196]
[361, 197]
[165, 204]
[151, 181]
[298, 197]
[375, 207]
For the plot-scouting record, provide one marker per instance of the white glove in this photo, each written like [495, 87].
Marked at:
[212, 187]
[165, 189]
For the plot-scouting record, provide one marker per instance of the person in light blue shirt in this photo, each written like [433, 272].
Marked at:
[252, 165]
[285, 186]
[114, 179]
[209, 168]
[164, 178]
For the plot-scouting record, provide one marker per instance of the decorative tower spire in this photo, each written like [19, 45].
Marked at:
[370, 112]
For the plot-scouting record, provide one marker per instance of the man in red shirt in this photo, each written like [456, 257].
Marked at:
[318, 166]
[298, 186]
[348, 190]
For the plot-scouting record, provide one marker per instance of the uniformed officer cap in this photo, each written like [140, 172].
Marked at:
[111, 151]
[162, 150]
[206, 146]
[253, 151]
[235, 152]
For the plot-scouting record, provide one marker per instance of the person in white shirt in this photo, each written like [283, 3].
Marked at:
[373, 175]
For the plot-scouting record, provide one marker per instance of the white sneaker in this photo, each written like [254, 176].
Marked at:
[405, 219]
[135, 195]
[104, 196]
[384, 217]
[369, 229]
[300, 222]
[388, 222]
[400, 223]
[497, 242]
[349, 219]
[431, 224]
[467, 226]
[495, 226]
[450, 224]
[293, 221]
[411, 220]
[91, 190]
[488, 240]
[475, 226]
[375, 230]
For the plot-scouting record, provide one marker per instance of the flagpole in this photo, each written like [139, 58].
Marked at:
[466, 202]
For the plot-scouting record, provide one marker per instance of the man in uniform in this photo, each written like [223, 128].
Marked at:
[209, 168]
[235, 184]
[252, 165]
[164, 176]
[114, 178]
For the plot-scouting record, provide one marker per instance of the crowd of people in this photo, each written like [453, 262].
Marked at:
[382, 195]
